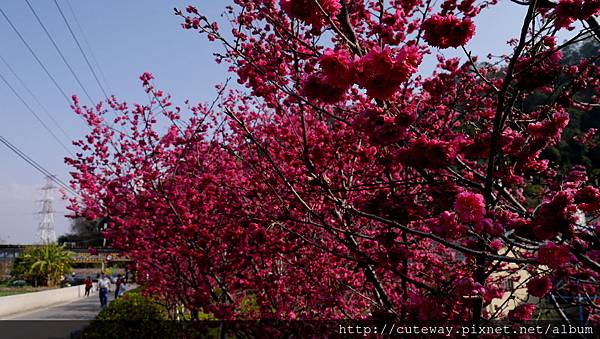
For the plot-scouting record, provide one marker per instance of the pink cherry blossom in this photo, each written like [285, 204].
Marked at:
[448, 31]
[341, 179]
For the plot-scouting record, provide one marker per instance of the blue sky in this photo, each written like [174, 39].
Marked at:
[127, 39]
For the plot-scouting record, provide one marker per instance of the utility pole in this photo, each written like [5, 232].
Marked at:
[46, 229]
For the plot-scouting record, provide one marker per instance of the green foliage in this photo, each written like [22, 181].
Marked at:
[133, 316]
[43, 265]
[249, 306]
[7, 293]
[134, 306]
[568, 152]
[533, 193]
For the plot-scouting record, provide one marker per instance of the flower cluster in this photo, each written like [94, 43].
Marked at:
[338, 68]
[548, 132]
[588, 199]
[522, 312]
[336, 183]
[312, 12]
[554, 255]
[539, 287]
[470, 207]
[427, 153]
[383, 129]
[555, 217]
[568, 11]
[535, 72]
[382, 71]
[445, 31]
[337, 75]
[317, 86]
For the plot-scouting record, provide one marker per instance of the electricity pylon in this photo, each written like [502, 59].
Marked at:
[46, 229]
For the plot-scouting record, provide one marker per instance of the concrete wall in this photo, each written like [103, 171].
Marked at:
[19, 303]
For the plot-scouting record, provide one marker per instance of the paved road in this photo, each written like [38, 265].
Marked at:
[80, 309]
[57, 321]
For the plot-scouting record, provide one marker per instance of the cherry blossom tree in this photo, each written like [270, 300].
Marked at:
[342, 182]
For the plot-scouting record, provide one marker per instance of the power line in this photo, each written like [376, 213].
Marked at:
[80, 48]
[31, 162]
[59, 51]
[89, 46]
[36, 165]
[35, 56]
[38, 60]
[6, 142]
[87, 61]
[34, 114]
[35, 98]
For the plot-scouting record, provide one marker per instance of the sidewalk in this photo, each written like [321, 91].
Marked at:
[57, 321]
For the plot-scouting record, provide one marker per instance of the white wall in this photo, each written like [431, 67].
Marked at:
[19, 303]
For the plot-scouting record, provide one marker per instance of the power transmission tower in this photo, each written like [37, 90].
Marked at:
[46, 229]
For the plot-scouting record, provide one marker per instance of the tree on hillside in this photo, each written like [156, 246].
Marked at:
[579, 144]
[342, 184]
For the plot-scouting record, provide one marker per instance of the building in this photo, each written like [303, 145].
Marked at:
[8, 255]
[84, 263]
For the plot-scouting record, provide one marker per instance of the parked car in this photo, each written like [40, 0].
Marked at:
[78, 281]
[18, 283]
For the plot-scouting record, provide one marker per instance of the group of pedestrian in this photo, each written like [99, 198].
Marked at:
[104, 286]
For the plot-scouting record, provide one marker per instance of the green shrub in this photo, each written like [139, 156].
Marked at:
[132, 316]
[133, 306]
[137, 316]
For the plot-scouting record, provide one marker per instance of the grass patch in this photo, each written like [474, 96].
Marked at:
[7, 293]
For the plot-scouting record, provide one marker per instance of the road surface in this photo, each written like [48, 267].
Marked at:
[81, 309]
[57, 321]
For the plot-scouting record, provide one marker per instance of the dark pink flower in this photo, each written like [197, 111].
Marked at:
[539, 287]
[445, 31]
[447, 225]
[554, 255]
[382, 129]
[522, 312]
[338, 68]
[538, 71]
[496, 245]
[309, 12]
[316, 86]
[468, 287]
[427, 153]
[191, 9]
[382, 71]
[470, 207]
[588, 199]
[555, 217]
[146, 78]
[568, 11]
[550, 130]
[492, 293]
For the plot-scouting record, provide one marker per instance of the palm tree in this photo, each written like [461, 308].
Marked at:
[48, 262]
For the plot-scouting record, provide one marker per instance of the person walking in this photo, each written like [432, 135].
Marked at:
[123, 288]
[118, 283]
[103, 288]
[88, 286]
